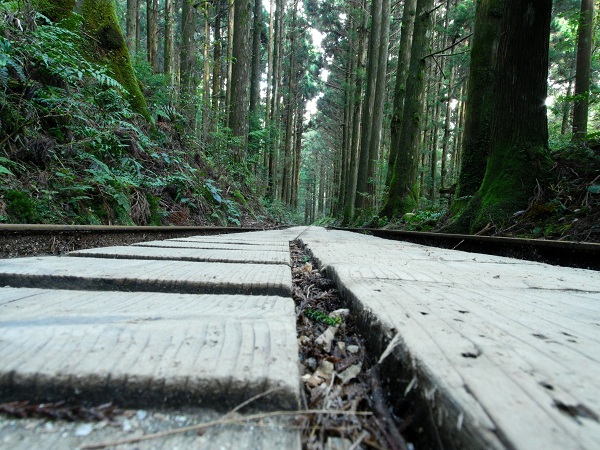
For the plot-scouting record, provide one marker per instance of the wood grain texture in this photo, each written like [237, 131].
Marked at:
[187, 254]
[148, 348]
[146, 275]
[505, 352]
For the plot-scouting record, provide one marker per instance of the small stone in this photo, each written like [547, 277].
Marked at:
[141, 414]
[85, 429]
[127, 427]
[349, 373]
[180, 419]
[353, 348]
[326, 338]
[341, 345]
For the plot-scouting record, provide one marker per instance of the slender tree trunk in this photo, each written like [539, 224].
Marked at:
[216, 76]
[298, 151]
[169, 39]
[408, 24]
[240, 78]
[206, 75]
[269, 146]
[230, 33]
[132, 13]
[566, 108]
[403, 193]
[152, 30]
[291, 108]
[582, 72]
[276, 83]
[256, 58]
[361, 200]
[188, 73]
[379, 102]
[352, 180]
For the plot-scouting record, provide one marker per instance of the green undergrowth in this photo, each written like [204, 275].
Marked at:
[565, 205]
[73, 151]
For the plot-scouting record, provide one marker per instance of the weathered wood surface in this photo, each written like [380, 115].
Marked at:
[67, 332]
[56, 272]
[505, 352]
[187, 254]
[215, 245]
[171, 348]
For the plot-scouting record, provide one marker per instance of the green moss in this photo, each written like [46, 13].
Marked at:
[55, 10]
[101, 22]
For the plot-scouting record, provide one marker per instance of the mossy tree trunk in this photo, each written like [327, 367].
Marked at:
[585, 40]
[408, 24]
[55, 10]
[101, 24]
[240, 78]
[479, 105]
[519, 128]
[404, 188]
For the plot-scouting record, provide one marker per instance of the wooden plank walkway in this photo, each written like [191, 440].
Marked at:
[204, 327]
[506, 353]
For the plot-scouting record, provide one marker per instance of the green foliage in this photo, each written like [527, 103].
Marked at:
[320, 316]
[76, 152]
[19, 204]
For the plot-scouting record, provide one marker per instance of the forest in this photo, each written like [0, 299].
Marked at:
[471, 116]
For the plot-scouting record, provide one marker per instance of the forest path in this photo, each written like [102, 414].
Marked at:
[500, 353]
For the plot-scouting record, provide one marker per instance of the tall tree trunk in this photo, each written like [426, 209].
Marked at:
[403, 193]
[480, 99]
[566, 108]
[582, 72]
[361, 200]
[206, 121]
[152, 30]
[188, 73]
[298, 150]
[408, 24]
[276, 83]
[269, 146]
[169, 48]
[352, 179]
[291, 108]
[256, 59]
[230, 33]
[519, 130]
[379, 101]
[216, 77]
[132, 13]
[240, 78]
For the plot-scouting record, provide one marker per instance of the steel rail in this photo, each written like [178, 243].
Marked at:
[18, 240]
[561, 253]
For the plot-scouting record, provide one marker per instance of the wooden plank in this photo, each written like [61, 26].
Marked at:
[215, 245]
[186, 254]
[146, 275]
[148, 348]
[503, 348]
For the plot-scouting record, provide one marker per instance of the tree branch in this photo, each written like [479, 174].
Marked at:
[449, 47]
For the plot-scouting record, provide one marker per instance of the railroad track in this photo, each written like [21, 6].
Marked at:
[561, 253]
[31, 240]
